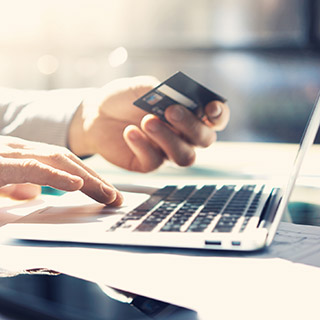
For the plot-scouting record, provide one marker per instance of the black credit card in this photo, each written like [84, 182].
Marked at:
[178, 89]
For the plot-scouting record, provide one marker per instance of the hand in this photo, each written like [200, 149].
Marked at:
[26, 165]
[108, 123]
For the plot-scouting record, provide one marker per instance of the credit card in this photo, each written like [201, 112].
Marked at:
[178, 89]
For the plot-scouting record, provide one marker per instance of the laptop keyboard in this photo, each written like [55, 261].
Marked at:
[188, 209]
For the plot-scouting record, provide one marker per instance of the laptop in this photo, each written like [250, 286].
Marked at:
[215, 216]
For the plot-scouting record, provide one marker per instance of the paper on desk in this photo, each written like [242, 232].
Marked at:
[216, 286]
[222, 287]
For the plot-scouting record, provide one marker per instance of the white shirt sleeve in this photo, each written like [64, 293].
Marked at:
[42, 116]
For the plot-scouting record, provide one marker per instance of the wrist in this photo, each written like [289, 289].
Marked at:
[77, 137]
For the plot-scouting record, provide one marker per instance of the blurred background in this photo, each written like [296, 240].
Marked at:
[263, 55]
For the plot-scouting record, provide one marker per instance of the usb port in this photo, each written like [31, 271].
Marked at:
[236, 243]
[213, 243]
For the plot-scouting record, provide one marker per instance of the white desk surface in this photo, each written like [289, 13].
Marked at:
[269, 284]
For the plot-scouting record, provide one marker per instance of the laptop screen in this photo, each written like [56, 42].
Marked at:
[306, 142]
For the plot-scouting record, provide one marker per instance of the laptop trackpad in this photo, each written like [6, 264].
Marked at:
[77, 208]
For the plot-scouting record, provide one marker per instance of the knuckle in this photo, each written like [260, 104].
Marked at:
[143, 84]
[145, 169]
[149, 167]
[186, 160]
[29, 163]
[207, 140]
[148, 81]
[199, 136]
[202, 136]
[194, 135]
[56, 157]
[28, 167]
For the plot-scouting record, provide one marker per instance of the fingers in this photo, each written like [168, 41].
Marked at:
[177, 142]
[199, 133]
[146, 156]
[92, 186]
[15, 171]
[59, 169]
[25, 191]
[174, 146]
[196, 132]
[91, 180]
[217, 115]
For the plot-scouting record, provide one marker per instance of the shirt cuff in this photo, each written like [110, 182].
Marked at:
[44, 117]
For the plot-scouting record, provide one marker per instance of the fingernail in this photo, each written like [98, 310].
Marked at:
[75, 180]
[214, 112]
[133, 135]
[176, 113]
[153, 126]
[118, 201]
[109, 192]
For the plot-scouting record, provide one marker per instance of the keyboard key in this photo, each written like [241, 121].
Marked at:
[222, 229]
[149, 204]
[164, 192]
[145, 227]
[181, 194]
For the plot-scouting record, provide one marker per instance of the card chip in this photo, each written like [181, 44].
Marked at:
[153, 98]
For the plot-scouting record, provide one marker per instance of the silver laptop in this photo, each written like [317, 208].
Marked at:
[217, 216]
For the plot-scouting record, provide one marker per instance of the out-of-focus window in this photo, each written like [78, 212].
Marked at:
[150, 23]
[45, 43]
[263, 55]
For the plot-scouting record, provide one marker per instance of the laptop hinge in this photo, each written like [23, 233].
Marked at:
[270, 208]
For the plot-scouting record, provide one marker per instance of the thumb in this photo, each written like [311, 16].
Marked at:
[24, 191]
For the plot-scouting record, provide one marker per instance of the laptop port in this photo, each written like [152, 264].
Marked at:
[236, 243]
[213, 243]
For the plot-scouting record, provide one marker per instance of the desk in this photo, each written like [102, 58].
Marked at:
[224, 285]
[284, 286]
